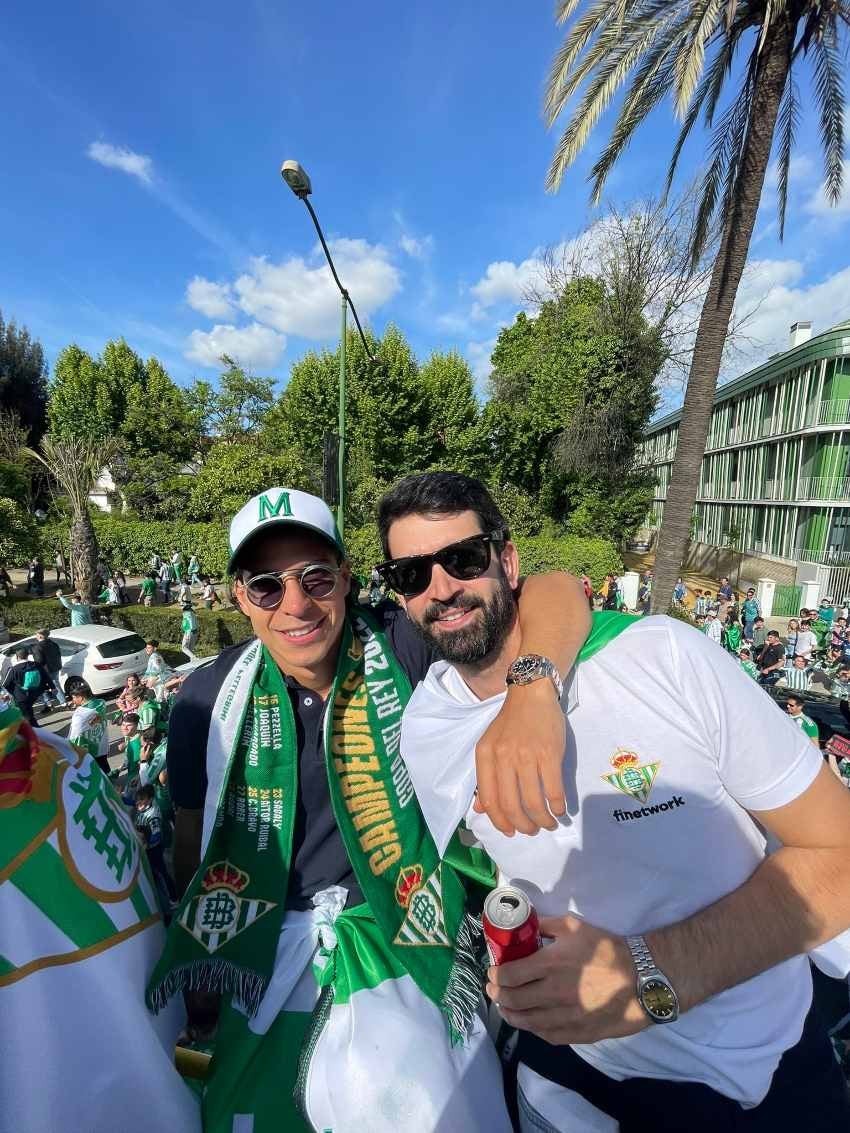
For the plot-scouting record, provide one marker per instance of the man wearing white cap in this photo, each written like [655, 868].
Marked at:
[321, 909]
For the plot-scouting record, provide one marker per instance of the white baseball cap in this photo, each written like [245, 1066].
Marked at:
[279, 506]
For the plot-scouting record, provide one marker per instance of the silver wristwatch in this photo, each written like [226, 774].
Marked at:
[531, 667]
[654, 991]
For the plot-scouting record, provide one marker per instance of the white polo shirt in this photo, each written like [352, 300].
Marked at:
[668, 741]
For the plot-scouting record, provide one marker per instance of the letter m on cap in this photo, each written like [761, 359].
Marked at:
[269, 510]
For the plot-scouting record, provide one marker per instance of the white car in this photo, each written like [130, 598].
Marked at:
[102, 655]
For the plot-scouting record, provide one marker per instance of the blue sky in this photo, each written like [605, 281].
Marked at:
[142, 196]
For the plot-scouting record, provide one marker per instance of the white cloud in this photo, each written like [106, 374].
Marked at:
[768, 291]
[120, 157]
[801, 168]
[299, 297]
[820, 205]
[211, 299]
[507, 282]
[417, 247]
[253, 346]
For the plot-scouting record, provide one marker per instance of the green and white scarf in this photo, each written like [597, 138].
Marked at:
[225, 934]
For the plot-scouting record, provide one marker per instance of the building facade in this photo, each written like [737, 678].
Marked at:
[775, 478]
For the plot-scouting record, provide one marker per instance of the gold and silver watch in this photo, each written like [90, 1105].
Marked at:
[655, 993]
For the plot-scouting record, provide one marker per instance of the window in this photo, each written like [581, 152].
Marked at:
[67, 648]
[121, 646]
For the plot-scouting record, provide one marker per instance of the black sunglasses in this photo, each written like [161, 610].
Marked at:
[467, 559]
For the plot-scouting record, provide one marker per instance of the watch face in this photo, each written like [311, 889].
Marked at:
[658, 999]
[525, 667]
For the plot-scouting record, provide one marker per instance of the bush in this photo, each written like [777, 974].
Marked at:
[364, 548]
[593, 557]
[216, 628]
[129, 544]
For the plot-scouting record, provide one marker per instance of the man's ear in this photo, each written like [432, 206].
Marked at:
[509, 559]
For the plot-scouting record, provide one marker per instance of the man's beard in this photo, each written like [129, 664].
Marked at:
[479, 640]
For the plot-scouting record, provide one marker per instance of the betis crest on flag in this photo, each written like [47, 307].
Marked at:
[218, 913]
[630, 776]
[424, 923]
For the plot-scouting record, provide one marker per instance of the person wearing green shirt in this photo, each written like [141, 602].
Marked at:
[194, 570]
[147, 590]
[732, 635]
[748, 664]
[189, 629]
[80, 610]
[794, 707]
[130, 744]
[148, 714]
[88, 724]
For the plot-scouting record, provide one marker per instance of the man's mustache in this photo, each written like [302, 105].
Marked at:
[435, 610]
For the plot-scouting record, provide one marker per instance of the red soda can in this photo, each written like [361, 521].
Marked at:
[511, 927]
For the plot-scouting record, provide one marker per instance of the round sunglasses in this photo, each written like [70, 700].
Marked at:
[317, 580]
[464, 560]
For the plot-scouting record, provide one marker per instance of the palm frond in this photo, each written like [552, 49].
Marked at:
[649, 86]
[724, 151]
[829, 95]
[611, 68]
[787, 127]
[576, 41]
[709, 88]
[691, 58]
[610, 36]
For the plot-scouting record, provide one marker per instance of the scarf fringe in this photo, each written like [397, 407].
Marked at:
[465, 986]
[245, 987]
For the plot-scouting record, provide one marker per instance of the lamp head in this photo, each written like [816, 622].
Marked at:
[296, 178]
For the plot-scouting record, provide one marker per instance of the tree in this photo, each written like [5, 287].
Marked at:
[238, 407]
[234, 471]
[75, 463]
[572, 391]
[686, 48]
[23, 379]
[81, 405]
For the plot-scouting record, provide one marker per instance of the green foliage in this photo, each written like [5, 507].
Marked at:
[217, 629]
[240, 405]
[19, 536]
[594, 557]
[364, 548]
[681, 613]
[128, 544]
[23, 379]
[233, 472]
[523, 514]
[80, 404]
[572, 392]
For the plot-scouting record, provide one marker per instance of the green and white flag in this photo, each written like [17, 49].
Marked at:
[79, 935]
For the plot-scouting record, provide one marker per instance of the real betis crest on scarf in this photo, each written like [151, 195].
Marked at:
[224, 936]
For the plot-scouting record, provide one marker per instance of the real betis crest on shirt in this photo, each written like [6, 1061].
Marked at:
[630, 776]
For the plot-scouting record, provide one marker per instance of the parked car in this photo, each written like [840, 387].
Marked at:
[104, 656]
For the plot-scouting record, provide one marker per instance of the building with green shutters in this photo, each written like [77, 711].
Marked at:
[775, 477]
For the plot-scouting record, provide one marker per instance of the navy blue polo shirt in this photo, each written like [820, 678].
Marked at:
[319, 858]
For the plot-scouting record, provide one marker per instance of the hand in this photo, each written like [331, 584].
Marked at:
[579, 989]
[518, 761]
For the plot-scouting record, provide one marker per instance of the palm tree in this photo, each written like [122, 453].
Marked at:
[75, 464]
[687, 48]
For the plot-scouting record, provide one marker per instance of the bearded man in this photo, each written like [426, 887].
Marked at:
[343, 944]
[674, 990]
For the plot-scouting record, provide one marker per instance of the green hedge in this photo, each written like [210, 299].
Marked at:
[129, 544]
[216, 628]
[594, 557]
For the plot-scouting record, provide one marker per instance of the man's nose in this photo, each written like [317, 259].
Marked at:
[295, 602]
[443, 587]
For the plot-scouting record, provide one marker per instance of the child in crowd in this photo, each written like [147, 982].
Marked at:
[148, 710]
[732, 634]
[130, 697]
[700, 622]
[746, 662]
[149, 824]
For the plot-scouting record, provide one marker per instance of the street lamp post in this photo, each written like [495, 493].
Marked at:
[298, 180]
